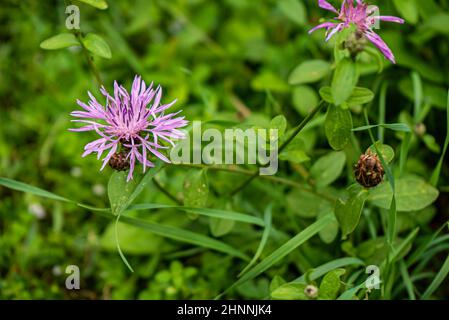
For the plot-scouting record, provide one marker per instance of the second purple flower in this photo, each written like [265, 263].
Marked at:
[363, 17]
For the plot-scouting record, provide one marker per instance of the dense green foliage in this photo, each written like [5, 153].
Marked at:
[186, 234]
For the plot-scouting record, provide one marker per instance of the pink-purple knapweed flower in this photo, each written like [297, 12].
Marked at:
[363, 17]
[131, 126]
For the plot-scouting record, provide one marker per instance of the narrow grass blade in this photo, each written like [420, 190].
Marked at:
[400, 250]
[215, 213]
[438, 280]
[350, 293]
[418, 94]
[436, 173]
[405, 146]
[407, 281]
[382, 108]
[284, 250]
[263, 241]
[402, 127]
[117, 243]
[184, 236]
[20, 186]
[332, 265]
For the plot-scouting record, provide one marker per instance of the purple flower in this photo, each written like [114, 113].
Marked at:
[131, 126]
[362, 16]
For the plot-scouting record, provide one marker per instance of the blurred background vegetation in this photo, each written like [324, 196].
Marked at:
[222, 59]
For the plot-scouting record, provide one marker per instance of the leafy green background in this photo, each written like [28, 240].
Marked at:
[237, 61]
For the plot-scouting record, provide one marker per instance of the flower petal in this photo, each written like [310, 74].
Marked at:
[381, 45]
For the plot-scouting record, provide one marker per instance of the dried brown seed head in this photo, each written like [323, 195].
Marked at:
[369, 171]
[119, 162]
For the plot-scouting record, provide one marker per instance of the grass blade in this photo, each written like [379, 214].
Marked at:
[418, 91]
[284, 250]
[183, 236]
[332, 265]
[161, 230]
[263, 241]
[436, 173]
[117, 243]
[438, 280]
[215, 213]
[20, 186]
[402, 127]
[382, 108]
[407, 281]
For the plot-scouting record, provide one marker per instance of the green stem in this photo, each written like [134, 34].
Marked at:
[89, 58]
[90, 62]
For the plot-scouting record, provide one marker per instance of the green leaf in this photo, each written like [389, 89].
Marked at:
[331, 284]
[294, 10]
[279, 123]
[276, 283]
[122, 194]
[196, 188]
[386, 151]
[60, 41]
[304, 99]
[290, 291]
[360, 96]
[220, 227]
[344, 81]
[307, 204]
[268, 80]
[99, 4]
[119, 191]
[328, 168]
[284, 250]
[338, 126]
[401, 127]
[348, 212]
[309, 72]
[330, 232]
[95, 44]
[412, 194]
[295, 151]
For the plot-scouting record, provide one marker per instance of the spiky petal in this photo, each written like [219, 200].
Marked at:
[362, 16]
[135, 123]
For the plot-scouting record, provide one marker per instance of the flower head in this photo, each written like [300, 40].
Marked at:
[363, 17]
[130, 126]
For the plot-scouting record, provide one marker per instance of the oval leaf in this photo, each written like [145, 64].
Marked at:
[338, 126]
[344, 81]
[60, 41]
[309, 71]
[96, 44]
[328, 168]
[99, 4]
[196, 189]
[348, 212]
[412, 194]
